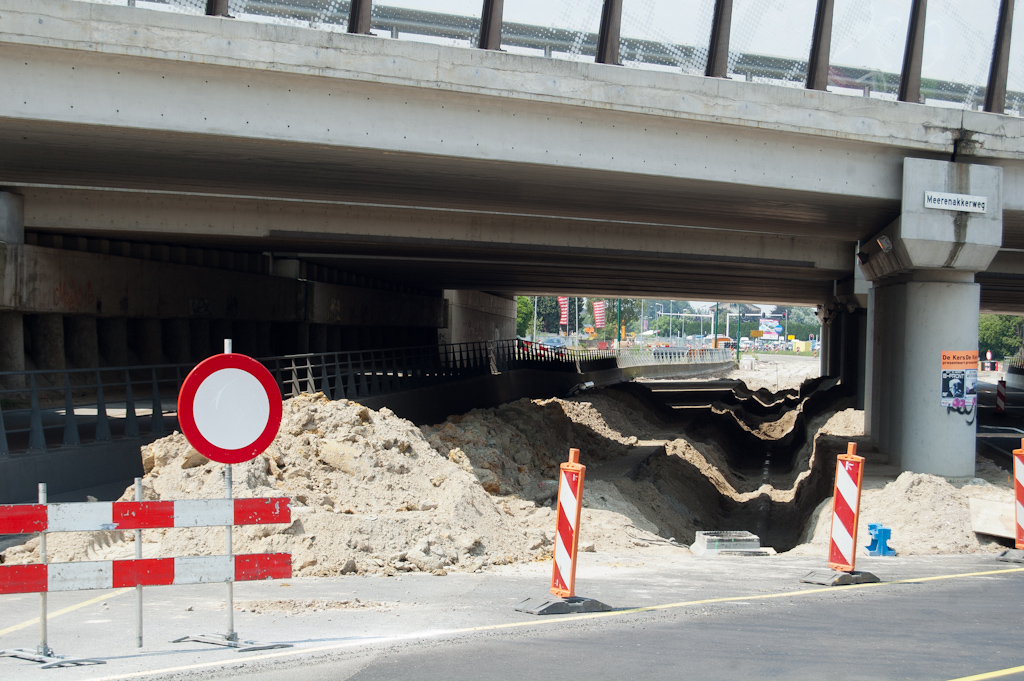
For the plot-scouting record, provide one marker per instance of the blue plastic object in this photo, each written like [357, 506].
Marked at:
[880, 536]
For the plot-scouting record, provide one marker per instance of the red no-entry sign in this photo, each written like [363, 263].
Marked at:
[229, 408]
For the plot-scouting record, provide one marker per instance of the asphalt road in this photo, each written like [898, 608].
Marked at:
[943, 629]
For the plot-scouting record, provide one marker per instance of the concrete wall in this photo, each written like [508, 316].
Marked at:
[477, 316]
[61, 307]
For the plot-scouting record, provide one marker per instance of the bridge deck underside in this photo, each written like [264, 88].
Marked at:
[439, 222]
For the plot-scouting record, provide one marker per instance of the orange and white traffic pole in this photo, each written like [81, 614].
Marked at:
[845, 510]
[1018, 494]
[570, 504]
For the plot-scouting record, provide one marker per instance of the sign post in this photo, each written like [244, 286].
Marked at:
[229, 409]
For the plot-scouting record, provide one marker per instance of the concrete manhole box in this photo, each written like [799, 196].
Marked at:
[733, 541]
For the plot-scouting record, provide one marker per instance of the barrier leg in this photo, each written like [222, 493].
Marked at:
[43, 653]
[138, 556]
[44, 647]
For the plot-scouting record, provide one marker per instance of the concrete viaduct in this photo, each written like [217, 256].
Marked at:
[169, 179]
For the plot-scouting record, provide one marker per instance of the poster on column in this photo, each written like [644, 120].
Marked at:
[959, 379]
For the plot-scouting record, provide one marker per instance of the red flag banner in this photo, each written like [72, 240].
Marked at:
[563, 306]
[599, 313]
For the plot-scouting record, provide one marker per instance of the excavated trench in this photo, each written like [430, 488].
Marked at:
[772, 470]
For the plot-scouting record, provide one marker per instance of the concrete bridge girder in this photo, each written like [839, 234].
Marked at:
[105, 96]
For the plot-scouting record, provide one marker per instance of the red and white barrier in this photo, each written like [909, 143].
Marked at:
[119, 574]
[1018, 493]
[570, 505]
[845, 510]
[141, 515]
[1001, 397]
[44, 577]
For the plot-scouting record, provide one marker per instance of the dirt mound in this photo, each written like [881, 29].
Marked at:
[370, 494]
[772, 375]
[846, 423]
[927, 514]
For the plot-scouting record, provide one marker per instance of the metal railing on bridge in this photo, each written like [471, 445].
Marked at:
[549, 40]
[46, 408]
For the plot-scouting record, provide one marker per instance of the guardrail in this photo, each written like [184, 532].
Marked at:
[46, 408]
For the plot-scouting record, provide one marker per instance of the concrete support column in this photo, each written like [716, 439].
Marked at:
[147, 337]
[12, 347]
[199, 339]
[828, 348]
[317, 338]
[246, 338]
[47, 336]
[12, 218]
[177, 340]
[333, 338]
[112, 337]
[81, 342]
[12, 324]
[301, 337]
[477, 316]
[916, 318]
[263, 333]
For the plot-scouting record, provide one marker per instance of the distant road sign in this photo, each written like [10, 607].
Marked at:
[778, 328]
[756, 334]
[229, 408]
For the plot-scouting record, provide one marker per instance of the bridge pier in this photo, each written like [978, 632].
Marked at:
[916, 319]
[924, 302]
[112, 333]
[478, 316]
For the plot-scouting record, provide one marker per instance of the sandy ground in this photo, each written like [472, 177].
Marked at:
[775, 372]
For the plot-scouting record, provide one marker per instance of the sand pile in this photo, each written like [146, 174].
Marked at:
[927, 514]
[370, 494]
[516, 448]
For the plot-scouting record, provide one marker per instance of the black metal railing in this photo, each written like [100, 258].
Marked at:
[46, 408]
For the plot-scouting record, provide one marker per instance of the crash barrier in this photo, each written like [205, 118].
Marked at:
[570, 505]
[880, 536]
[1018, 494]
[845, 510]
[1001, 397]
[44, 577]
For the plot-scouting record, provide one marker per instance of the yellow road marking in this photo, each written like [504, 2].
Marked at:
[552, 620]
[71, 608]
[992, 675]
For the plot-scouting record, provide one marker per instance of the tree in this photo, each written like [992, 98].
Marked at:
[999, 333]
[524, 315]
